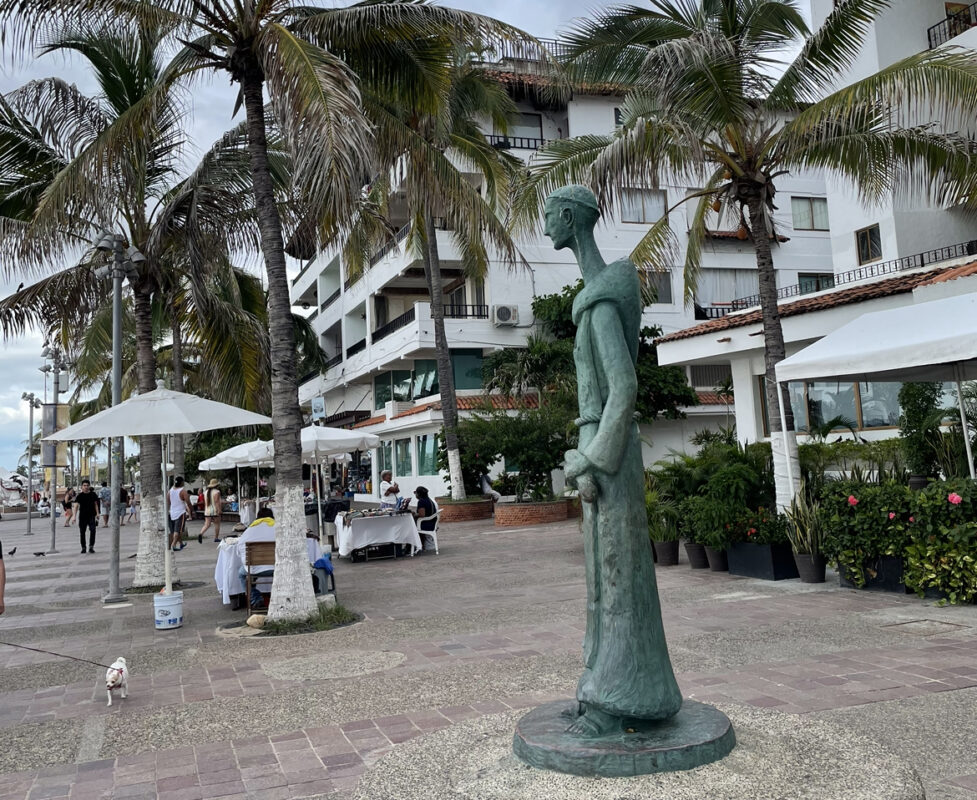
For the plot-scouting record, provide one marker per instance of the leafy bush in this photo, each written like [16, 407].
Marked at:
[663, 514]
[763, 526]
[710, 520]
[944, 562]
[919, 426]
[944, 505]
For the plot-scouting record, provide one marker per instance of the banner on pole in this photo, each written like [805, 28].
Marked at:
[318, 407]
[53, 418]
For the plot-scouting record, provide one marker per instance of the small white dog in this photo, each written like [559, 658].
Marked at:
[117, 677]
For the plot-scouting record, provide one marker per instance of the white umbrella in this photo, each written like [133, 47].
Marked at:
[255, 454]
[319, 441]
[160, 413]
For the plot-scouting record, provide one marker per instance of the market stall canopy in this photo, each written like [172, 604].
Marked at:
[933, 341]
[159, 412]
[319, 441]
[258, 453]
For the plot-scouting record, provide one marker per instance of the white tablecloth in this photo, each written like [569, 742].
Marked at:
[383, 529]
[228, 566]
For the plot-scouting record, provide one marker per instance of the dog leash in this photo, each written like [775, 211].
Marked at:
[59, 655]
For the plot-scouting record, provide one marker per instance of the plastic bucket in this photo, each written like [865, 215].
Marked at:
[168, 609]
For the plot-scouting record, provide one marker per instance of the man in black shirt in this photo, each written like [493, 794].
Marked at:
[426, 507]
[86, 512]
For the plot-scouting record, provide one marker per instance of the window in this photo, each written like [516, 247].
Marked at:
[402, 379]
[708, 376]
[427, 454]
[467, 368]
[618, 118]
[810, 213]
[382, 390]
[404, 467]
[529, 126]
[829, 399]
[869, 244]
[379, 311]
[478, 292]
[642, 205]
[661, 284]
[385, 459]
[815, 281]
[880, 404]
[425, 378]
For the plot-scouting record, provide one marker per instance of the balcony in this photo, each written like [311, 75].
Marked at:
[329, 300]
[466, 312]
[335, 361]
[394, 325]
[502, 142]
[951, 27]
[357, 347]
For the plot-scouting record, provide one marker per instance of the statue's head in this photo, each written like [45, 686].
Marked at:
[569, 211]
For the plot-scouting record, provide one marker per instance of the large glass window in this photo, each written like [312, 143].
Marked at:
[829, 399]
[809, 213]
[880, 404]
[815, 281]
[425, 378]
[402, 379]
[382, 390]
[869, 244]
[385, 459]
[402, 451]
[467, 366]
[427, 454]
[642, 205]
[661, 284]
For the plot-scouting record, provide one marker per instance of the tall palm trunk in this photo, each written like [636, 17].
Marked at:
[292, 597]
[446, 378]
[152, 539]
[783, 440]
[177, 444]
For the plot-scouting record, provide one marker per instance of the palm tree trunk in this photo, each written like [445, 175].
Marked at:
[292, 597]
[152, 539]
[446, 378]
[783, 440]
[177, 446]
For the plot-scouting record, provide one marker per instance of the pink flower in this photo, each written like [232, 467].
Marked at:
[852, 500]
[954, 498]
[912, 519]
[892, 515]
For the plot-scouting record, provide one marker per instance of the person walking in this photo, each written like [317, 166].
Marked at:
[86, 510]
[68, 504]
[179, 504]
[105, 501]
[123, 504]
[213, 506]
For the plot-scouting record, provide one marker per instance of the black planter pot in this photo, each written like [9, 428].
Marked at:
[667, 553]
[918, 482]
[717, 559]
[888, 576]
[769, 562]
[697, 555]
[810, 568]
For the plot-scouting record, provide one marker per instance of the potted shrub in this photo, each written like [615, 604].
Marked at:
[919, 427]
[710, 517]
[806, 534]
[760, 548]
[662, 527]
[943, 565]
[694, 548]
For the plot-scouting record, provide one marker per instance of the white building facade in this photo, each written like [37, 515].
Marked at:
[377, 331]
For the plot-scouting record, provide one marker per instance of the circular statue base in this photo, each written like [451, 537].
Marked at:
[699, 734]
[776, 756]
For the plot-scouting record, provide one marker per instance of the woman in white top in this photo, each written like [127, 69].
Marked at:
[389, 491]
[179, 503]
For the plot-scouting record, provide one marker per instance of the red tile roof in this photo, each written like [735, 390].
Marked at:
[465, 403]
[900, 284]
[371, 421]
[713, 399]
[963, 271]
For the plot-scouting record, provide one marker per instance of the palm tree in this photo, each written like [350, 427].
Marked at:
[82, 164]
[710, 101]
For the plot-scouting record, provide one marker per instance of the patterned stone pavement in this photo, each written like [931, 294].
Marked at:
[491, 624]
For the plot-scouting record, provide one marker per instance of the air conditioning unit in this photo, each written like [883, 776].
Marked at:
[505, 316]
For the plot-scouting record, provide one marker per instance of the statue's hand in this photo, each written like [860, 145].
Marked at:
[575, 464]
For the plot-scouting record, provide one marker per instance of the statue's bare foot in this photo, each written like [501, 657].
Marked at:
[593, 723]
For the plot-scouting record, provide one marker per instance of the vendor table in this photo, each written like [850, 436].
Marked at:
[229, 564]
[360, 532]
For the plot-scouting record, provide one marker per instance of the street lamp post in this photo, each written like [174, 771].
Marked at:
[124, 263]
[57, 364]
[32, 402]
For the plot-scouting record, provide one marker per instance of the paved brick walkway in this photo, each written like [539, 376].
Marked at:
[493, 623]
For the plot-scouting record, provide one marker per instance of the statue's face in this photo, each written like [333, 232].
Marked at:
[559, 224]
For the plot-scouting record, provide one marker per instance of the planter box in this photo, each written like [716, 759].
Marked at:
[464, 512]
[888, 576]
[522, 514]
[769, 562]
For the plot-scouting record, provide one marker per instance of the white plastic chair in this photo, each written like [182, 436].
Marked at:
[432, 533]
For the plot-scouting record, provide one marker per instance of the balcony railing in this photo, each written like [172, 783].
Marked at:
[336, 359]
[399, 236]
[358, 347]
[502, 142]
[519, 51]
[877, 270]
[395, 324]
[955, 24]
[466, 312]
[329, 300]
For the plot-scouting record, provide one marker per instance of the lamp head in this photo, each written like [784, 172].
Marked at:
[134, 255]
[105, 242]
[104, 272]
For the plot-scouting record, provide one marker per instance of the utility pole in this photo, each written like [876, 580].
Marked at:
[32, 403]
[123, 264]
[57, 364]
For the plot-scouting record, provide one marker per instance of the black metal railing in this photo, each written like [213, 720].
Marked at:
[395, 324]
[305, 268]
[877, 270]
[336, 359]
[358, 347]
[521, 51]
[329, 300]
[398, 237]
[466, 312]
[714, 311]
[308, 377]
[954, 24]
[503, 142]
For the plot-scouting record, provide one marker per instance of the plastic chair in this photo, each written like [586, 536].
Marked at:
[432, 533]
[257, 554]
